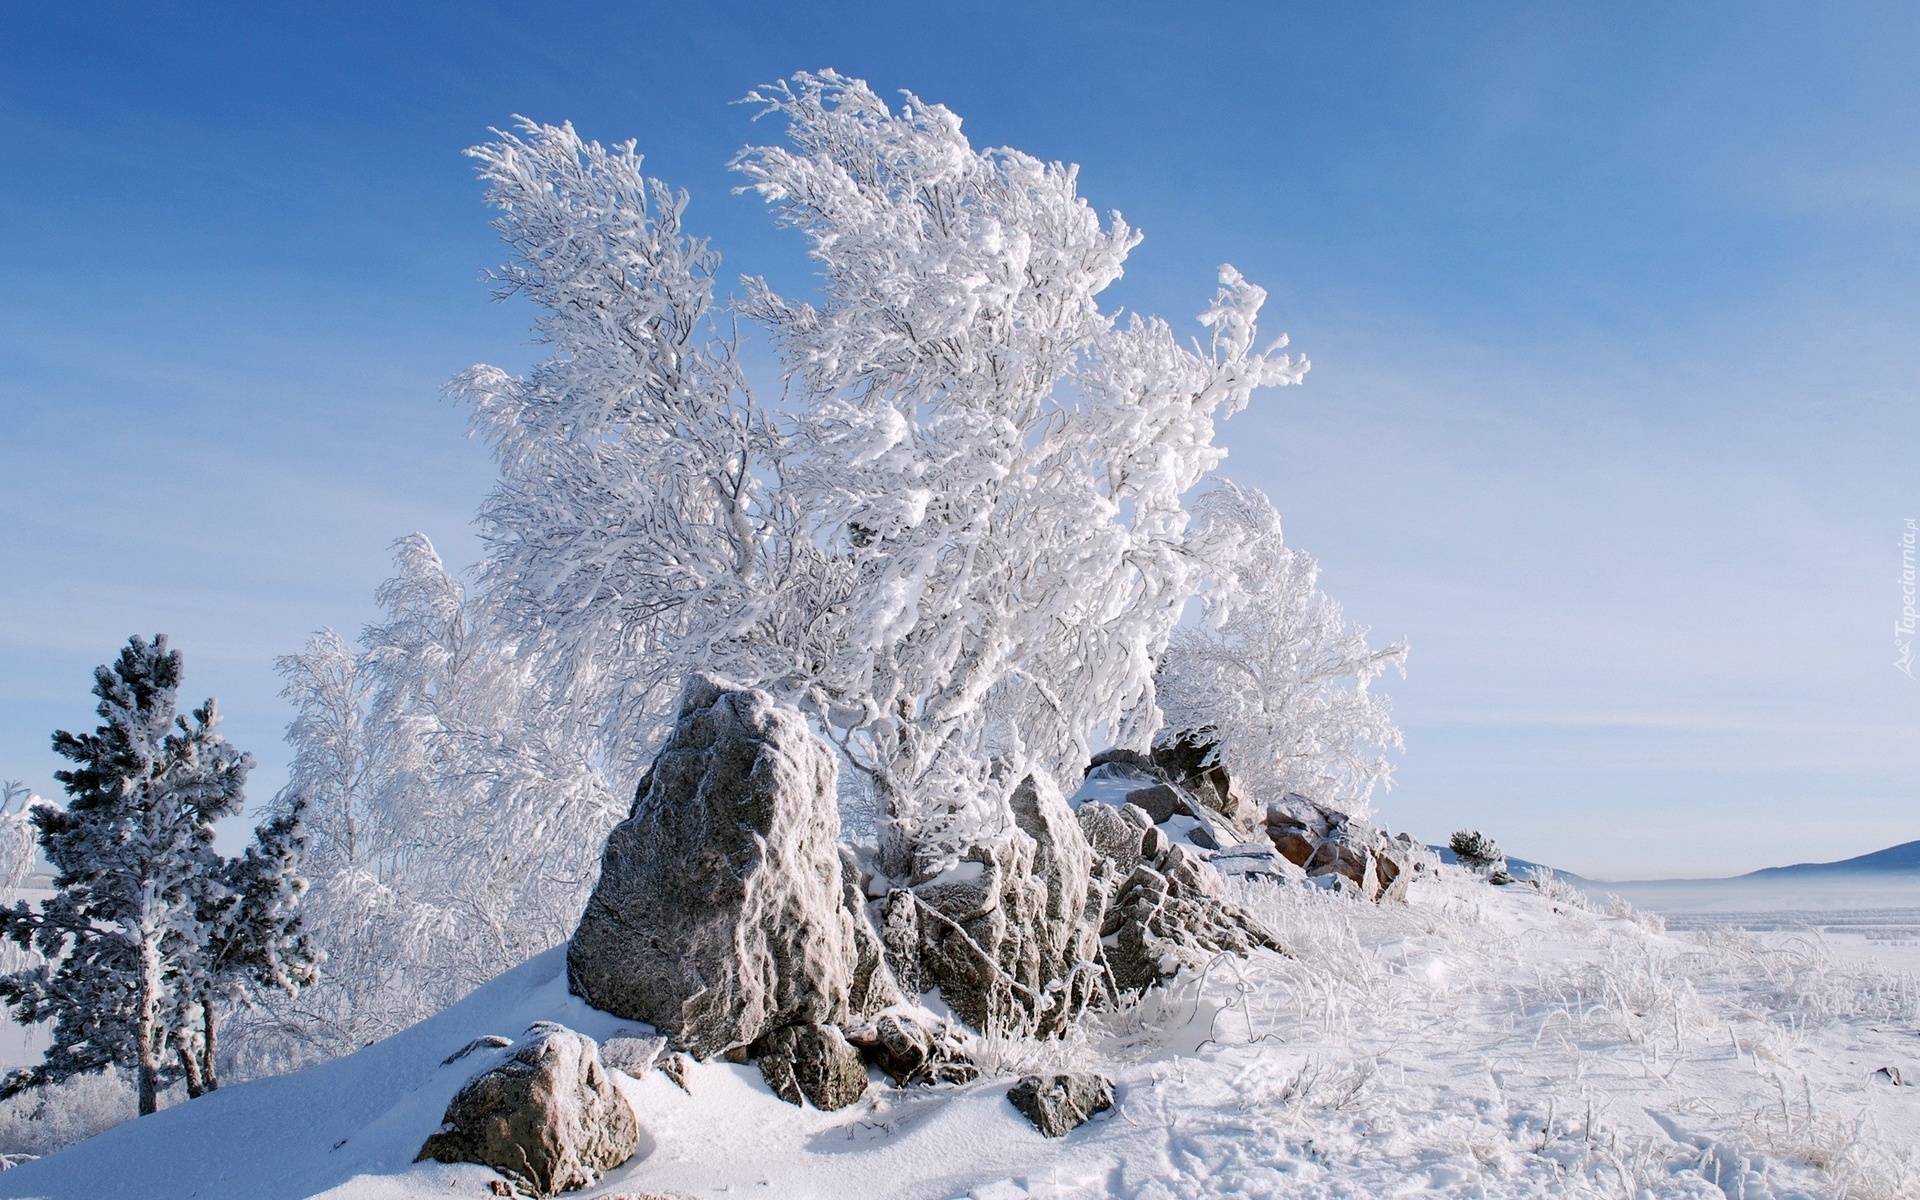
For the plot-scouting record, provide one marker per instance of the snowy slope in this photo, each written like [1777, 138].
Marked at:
[1477, 1041]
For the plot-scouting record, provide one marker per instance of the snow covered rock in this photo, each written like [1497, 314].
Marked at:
[549, 1118]
[1348, 853]
[722, 910]
[1397, 860]
[915, 1048]
[491, 1041]
[1114, 833]
[1118, 779]
[811, 1062]
[1006, 933]
[1127, 758]
[1172, 912]
[676, 1067]
[1297, 826]
[1159, 801]
[634, 1056]
[1330, 844]
[1059, 1104]
[872, 986]
[1256, 860]
[1183, 759]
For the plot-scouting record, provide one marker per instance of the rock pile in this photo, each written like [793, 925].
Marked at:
[1344, 850]
[730, 918]
[1169, 913]
[1008, 933]
[1196, 803]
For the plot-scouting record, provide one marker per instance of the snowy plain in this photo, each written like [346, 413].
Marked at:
[1476, 1041]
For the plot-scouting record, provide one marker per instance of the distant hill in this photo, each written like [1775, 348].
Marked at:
[1518, 867]
[1902, 858]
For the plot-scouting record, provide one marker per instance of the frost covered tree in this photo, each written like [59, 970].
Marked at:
[134, 867]
[1001, 464]
[1276, 679]
[959, 540]
[453, 816]
[17, 847]
[252, 943]
[628, 531]
[18, 850]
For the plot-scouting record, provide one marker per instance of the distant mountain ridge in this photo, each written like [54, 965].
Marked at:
[1904, 857]
[1894, 860]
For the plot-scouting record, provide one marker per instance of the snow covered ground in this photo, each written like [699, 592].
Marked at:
[1477, 1041]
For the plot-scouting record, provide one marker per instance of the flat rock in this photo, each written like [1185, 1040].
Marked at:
[633, 1056]
[1160, 800]
[1256, 860]
[1059, 1104]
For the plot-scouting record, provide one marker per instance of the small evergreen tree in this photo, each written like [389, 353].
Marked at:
[1475, 849]
[148, 924]
[252, 941]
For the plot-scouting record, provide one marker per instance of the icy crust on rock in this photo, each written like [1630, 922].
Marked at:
[723, 911]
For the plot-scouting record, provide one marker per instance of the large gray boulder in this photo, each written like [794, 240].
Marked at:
[1010, 933]
[723, 910]
[549, 1118]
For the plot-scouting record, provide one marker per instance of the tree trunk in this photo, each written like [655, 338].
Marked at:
[209, 1043]
[190, 1063]
[145, 1028]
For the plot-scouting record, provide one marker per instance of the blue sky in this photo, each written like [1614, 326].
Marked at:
[1612, 310]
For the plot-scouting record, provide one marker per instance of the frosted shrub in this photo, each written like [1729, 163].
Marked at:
[1556, 889]
[56, 1116]
[1275, 678]
[1618, 907]
[1008, 1054]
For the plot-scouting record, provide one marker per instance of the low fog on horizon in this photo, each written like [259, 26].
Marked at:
[1611, 414]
